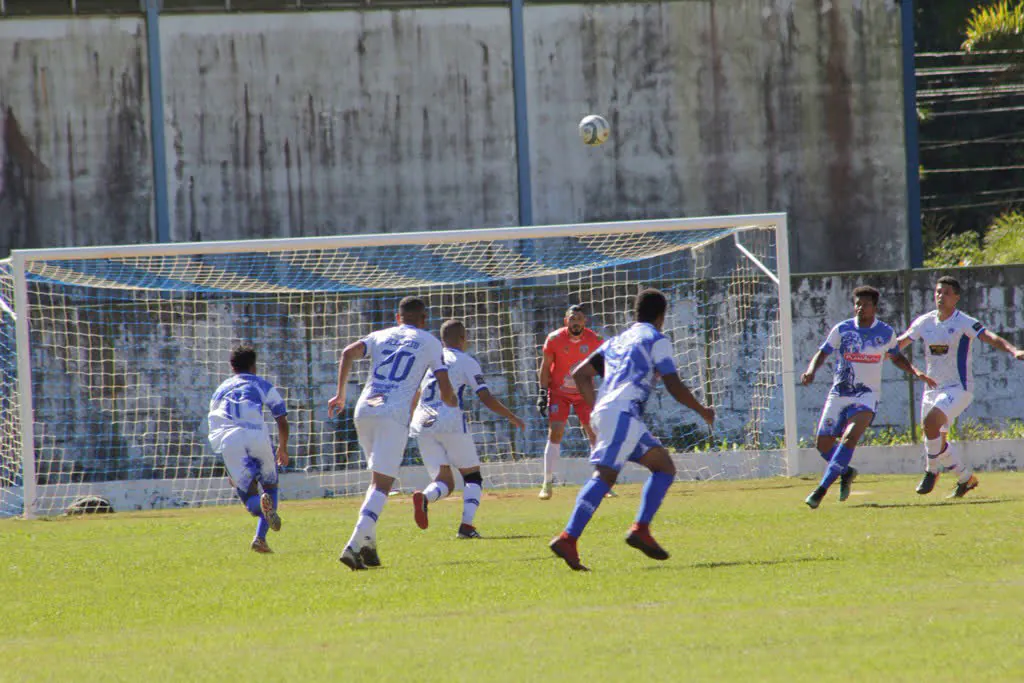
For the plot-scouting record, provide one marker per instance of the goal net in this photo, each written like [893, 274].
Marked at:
[108, 356]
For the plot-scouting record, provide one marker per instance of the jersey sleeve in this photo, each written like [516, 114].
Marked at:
[914, 331]
[549, 342]
[661, 354]
[893, 349]
[370, 342]
[972, 327]
[475, 379]
[435, 355]
[276, 403]
[832, 341]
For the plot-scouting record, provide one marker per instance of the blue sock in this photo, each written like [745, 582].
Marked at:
[252, 504]
[262, 527]
[273, 495]
[654, 492]
[587, 501]
[837, 464]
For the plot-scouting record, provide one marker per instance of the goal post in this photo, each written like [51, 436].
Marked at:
[108, 355]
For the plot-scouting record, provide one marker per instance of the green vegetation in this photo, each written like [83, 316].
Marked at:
[999, 26]
[1003, 243]
[758, 588]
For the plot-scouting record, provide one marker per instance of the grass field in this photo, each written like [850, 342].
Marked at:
[890, 586]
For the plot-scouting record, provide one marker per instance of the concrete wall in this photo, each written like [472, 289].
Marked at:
[726, 107]
[329, 122]
[75, 165]
[357, 121]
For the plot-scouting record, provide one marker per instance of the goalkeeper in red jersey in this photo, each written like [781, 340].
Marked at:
[564, 349]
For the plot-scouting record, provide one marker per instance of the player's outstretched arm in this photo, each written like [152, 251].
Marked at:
[901, 361]
[998, 342]
[352, 352]
[444, 385]
[492, 402]
[282, 440]
[680, 393]
[584, 374]
[904, 340]
[812, 367]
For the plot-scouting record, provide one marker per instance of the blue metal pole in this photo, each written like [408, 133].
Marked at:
[522, 122]
[156, 122]
[915, 244]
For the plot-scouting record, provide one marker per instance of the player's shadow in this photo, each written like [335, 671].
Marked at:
[520, 560]
[744, 563]
[934, 504]
[509, 537]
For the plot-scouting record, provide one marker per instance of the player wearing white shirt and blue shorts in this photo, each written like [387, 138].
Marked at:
[862, 343]
[630, 364]
[401, 356]
[442, 432]
[239, 435]
[947, 334]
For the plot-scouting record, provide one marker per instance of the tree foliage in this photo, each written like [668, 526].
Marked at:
[995, 27]
[1003, 243]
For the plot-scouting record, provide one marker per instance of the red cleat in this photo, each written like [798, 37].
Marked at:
[640, 538]
[419, 509]
[564, 546]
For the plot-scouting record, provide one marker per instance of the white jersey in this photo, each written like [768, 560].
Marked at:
[947, 345]
[238, 404]
[432, 414]
[632, 360]
[401, 356]
[858, 369]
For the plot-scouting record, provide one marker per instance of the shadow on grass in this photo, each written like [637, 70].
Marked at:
[745, 563]
[514, 560]
[934, 504]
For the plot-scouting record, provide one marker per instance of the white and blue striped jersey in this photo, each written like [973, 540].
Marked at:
[858, 369]
[401, 356]
[238, 404]
[947, 345]
[633, 361]
[434, 415]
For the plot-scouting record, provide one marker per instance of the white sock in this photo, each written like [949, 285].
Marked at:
[951, 461]
[470, 502]
[932, 448]
[435, 491]
[365, 532]
[551, 453]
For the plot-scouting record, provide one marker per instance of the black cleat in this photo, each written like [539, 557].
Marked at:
[814, 500]
[845, 479]
[963, 487]
[369, 556]
[641, 539]
[467, 531]
[350, 558]
[928, 483]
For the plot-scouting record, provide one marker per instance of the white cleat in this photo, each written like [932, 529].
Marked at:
[545, 491]
[269, 513]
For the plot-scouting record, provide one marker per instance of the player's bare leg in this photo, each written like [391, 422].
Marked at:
[552, 452]
[442, 485]
[839, 460]
[361, 550]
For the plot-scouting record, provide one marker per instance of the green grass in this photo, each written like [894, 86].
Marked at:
[890, 586]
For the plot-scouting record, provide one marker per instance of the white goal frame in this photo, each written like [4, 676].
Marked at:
[21, 258]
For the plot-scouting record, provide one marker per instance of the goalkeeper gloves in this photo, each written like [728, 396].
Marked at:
[542, 403]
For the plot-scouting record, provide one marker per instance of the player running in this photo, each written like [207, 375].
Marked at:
[564, 349]
[947, 334]
[442, 433]
[239, 435]
[630, 363]
[862, 342]
[401, 355]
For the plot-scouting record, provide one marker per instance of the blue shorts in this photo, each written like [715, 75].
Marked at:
[621, 437]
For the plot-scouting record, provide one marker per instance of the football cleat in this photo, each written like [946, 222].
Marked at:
[611, 494]
[963, 487]
[468, 531]
[545, 491]
[640, 538]
[259, 545]
[368, 554]
[927, 483]
[419, 509]
[269, 513]
[564, 546]
[814, 500]
[845, 479]
[350, 558]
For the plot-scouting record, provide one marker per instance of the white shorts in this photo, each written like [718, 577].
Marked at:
[839, 409]
[248, 456]
[455, 449]
[950, 400]
[383, 442]
[620, 437]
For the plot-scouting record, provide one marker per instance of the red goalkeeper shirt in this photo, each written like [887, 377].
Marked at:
[568, 351]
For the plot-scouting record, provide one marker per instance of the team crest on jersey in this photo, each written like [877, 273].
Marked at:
[584, 348]
[952, 330]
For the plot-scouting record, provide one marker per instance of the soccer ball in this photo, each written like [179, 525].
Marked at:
[594, 130]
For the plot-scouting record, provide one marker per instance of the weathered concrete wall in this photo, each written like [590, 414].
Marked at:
[726, 107]
[329, 122]
[75, 163]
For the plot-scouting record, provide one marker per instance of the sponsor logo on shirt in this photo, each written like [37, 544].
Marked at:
[938, 349]
[858, 357]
